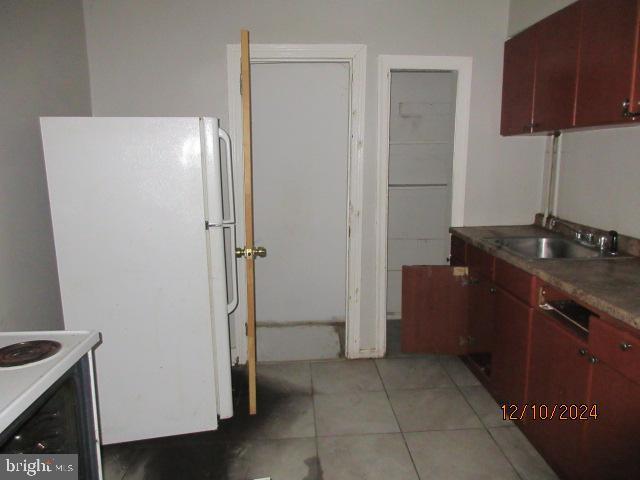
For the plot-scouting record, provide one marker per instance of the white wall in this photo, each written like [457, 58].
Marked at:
[162, 57]
[599, 182]
[44, 72]
[524, 13]
[599, 170]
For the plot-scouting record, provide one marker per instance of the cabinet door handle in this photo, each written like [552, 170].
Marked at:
[582, 352]
[492, 290]
[625, 346]
[593, 359]
[625, 110]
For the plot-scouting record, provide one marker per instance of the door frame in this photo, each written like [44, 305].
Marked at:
[355, 56]
[386, 64]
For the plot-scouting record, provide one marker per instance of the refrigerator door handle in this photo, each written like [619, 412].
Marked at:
[230, 223]
[234, 269]
[232, 195]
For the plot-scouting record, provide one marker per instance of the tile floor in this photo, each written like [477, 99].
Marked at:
[396, 418]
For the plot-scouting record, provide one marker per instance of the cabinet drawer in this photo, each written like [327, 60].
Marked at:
[616, 347]
[479, 262]
[518, 282]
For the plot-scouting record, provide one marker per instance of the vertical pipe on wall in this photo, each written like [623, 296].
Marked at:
[552, 179]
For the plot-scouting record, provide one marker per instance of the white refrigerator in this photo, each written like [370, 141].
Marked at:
[137, 212]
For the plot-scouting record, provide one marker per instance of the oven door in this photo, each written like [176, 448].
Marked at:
[61, 421]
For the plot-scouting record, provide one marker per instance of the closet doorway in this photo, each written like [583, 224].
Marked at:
[422, 166]
[421, 127]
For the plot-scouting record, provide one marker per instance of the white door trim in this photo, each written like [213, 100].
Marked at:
[386, 64]
[355, 56]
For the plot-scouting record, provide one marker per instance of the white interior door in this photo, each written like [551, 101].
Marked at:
[300, 158]
[128, 217]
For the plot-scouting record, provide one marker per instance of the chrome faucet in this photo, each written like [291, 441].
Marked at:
[606, 241]
[580, 235]
[609, 242]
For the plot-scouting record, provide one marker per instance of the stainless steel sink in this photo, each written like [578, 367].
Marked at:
[549, 248]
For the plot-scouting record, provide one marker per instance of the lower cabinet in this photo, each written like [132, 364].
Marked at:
[558, 380]
[434, 310]
[481, 323]
[611, 441]
[446, 310]
[510, 362]
[533, 361]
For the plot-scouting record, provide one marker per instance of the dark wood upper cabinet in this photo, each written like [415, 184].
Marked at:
[574, 68]
[608, 61]
[518, 83]
[558, 38]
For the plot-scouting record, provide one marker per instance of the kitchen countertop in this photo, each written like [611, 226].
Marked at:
[609, 285]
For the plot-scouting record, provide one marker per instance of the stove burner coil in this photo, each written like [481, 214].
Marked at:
[27, 352]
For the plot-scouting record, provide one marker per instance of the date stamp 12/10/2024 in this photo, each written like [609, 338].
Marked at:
[543, 411]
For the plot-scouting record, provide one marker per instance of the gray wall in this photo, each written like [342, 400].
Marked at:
[599, 182]
[162, 57]
[599, 170]
[44, 72]
[524, 13]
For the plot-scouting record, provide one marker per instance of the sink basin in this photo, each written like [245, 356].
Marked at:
[548, 248]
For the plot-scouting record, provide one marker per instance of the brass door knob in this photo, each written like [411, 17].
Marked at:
[248, 252]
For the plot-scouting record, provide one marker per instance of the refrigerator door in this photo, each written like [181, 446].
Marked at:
[127, 202]
[212, 168]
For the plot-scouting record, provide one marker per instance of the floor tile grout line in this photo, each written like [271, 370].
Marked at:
[485, 428]
[315, 422]
[397, 432]
[130, 463]
[462, 387]
[404, 439]
[522, 477]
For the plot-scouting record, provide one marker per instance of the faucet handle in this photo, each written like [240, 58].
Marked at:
[613, 241]
[603, 242]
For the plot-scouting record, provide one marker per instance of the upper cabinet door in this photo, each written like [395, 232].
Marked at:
[518, 83]
[608, 58]
[557, 69]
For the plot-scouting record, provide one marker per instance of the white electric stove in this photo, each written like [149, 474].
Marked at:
[48, 396]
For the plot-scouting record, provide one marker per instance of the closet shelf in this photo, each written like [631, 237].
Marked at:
[410, 185]
[419, 142]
